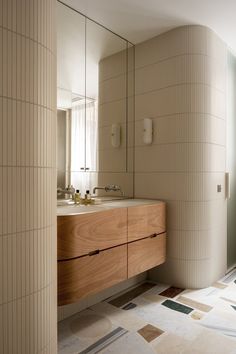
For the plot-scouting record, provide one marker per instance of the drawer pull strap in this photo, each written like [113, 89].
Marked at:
[93, 253]
[153, 235]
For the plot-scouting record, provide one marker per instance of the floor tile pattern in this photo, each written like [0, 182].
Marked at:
[156, 318]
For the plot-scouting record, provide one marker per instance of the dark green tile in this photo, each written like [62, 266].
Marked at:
[177, 307]
[234, 307]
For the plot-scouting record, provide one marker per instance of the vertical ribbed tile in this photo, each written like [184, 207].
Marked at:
[180, 83]
[28, 294]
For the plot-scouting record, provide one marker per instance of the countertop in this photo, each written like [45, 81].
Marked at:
[73, 209]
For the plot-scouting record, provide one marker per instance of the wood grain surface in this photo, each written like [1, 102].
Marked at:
[146, 220]
[145, 254]
[88, 275]
[78, 235]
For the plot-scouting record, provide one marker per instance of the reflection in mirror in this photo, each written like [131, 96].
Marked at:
[62, 146]
[70, 55]
[111, 69]
[95, 99]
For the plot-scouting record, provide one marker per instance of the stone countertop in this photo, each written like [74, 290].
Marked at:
[73, 209]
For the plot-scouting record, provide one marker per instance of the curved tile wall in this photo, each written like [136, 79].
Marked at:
[28, 299]
[181, 84]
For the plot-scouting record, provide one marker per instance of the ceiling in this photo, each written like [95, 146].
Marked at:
[138, 20]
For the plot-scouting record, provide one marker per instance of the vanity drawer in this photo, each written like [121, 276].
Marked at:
[146, 220]
[88, 275]
[146, 254]
[79, 235]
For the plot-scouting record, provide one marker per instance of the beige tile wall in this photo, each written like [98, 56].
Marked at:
[28, 298]
[180, 84]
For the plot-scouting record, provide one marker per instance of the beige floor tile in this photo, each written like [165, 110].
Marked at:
[119, 317]
[149, 332]
[197, 305]
[196, 315]
[209, 342]
[171, 344]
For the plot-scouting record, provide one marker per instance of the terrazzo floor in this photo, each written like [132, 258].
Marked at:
[156, 318]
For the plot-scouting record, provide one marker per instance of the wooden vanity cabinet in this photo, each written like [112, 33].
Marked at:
[146, 220]
[83, 276]
[146, 254]
[146, 237]
[98, 250]
[78, 235]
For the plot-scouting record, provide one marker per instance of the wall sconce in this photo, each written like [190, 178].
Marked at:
[115, 135]
[147, 131]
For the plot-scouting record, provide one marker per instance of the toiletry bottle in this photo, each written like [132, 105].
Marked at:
[77, 197]
[87, 197]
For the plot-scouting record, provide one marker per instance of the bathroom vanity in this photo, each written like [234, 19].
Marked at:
[102, 245]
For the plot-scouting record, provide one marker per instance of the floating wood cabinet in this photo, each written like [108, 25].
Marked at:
[145, 220]
[145, 254]
[88, 275]
[98, 250]
[78, 235]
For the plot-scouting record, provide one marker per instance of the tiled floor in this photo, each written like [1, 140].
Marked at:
[156, 318]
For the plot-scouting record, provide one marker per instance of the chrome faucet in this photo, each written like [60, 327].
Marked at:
[110, 188]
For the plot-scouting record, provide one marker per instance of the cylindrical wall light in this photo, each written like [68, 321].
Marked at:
[147, 131]
[115, 135]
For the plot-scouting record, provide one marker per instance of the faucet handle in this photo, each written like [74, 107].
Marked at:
[112, 187]
[70, 188]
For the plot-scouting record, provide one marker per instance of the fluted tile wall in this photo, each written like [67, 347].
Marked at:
[180, 84]
[27, 177]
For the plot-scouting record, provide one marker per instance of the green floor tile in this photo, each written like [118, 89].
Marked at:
[177, 307]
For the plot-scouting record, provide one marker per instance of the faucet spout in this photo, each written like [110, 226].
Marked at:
[110, 188]
[96, 188]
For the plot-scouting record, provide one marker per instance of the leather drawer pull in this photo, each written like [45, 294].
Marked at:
[153, 235]
[93, 253]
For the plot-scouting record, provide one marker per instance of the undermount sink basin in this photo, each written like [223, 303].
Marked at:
[80, 209]
[97, 200]
[102, 206]
[61, 202]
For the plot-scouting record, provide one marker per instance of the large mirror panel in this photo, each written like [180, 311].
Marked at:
[71, 83]
[95, 105]
[106, 60]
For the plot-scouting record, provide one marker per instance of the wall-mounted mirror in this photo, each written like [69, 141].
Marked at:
[95, 101]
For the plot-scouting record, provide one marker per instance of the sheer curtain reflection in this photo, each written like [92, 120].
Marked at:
[84, 132]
